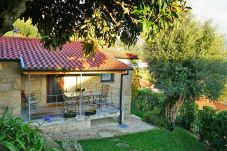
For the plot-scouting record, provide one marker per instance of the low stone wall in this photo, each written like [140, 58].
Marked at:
[10, 86]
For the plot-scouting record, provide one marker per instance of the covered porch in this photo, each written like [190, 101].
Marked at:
[82, 96]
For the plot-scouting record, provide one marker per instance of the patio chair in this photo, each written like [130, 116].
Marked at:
[103, 100]
[71, 104]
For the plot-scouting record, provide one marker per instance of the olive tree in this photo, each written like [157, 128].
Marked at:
[187, 62]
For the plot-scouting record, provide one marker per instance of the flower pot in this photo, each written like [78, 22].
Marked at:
[69, 115]
[88, 113]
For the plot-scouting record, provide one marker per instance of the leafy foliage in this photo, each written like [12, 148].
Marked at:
[187, 61]
[219, 140]
[135, 83]
[141, 78]
[17, 135]
[188, 114]
[147, 100]
[99, 20]
[212, 127]
[148, 105]
[25, 29]
[156, 118]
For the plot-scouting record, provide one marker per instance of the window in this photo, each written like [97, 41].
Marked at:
[107, 77]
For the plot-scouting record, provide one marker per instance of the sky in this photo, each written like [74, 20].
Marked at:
[214, 10]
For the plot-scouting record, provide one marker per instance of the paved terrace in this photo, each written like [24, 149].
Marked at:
[100, 128]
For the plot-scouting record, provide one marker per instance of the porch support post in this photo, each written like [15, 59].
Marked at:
[121, 120]
[29, 98]
[121, 102]
[80, 94]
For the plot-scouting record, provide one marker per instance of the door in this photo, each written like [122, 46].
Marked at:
[55, 88]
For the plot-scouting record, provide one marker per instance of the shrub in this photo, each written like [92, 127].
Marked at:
[17, 135]
[205, 122]
[135, 83]
[188, 114]
[147, 100]
[219, 139]
[156, 118]
[213, 127]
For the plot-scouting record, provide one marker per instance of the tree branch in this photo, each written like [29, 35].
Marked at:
[9, 12]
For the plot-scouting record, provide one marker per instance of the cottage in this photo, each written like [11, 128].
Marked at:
[35, 82]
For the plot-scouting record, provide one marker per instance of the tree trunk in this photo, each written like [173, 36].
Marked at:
[10, 11]
[172, 108]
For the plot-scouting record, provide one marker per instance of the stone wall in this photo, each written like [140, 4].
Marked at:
[37, 87]
[10, 86]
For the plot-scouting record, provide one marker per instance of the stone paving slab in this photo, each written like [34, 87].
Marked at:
[99, 129]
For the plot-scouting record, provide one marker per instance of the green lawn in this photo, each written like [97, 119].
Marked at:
[154, 140]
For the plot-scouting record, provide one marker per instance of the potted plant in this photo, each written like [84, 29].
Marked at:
[78, 89]
[70, 114]
[91, 111]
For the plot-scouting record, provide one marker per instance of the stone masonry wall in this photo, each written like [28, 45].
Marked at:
[37, 87]
[10, 86]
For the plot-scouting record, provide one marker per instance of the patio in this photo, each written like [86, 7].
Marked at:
[69, 97]
[82, 105]
[108, 127]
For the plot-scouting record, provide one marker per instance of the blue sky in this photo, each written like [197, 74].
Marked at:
[214, 10]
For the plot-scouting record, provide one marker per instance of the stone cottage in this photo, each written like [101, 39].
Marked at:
[35, 82]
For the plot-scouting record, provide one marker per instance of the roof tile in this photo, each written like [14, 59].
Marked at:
[70, 57]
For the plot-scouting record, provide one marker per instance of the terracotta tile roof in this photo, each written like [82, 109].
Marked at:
[220, 106]
[121, 54]
[125, 55]
[203, 101]
[71, 57]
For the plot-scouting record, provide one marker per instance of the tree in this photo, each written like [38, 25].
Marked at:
[24, 29]
[93, 20]
[187, 61]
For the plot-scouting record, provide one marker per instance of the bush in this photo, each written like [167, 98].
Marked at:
[213, 127]
[156, 118]
[188, 114]
[205, 122]
[148, 105]
[135, 83]
[17, 135]
[147, 100]
[219, 140]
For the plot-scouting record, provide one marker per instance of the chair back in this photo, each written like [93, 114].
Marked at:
[65, 98]
[105, 90]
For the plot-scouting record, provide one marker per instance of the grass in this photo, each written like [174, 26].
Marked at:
[154, 140]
